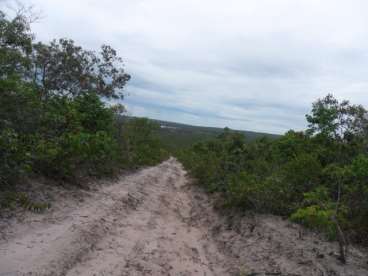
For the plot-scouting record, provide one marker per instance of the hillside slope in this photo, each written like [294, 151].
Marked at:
[176, 135]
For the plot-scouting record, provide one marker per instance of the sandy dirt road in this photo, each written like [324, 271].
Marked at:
[154, 222]
[138, 226]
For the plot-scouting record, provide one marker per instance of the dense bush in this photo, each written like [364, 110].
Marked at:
[55, 117]
[141, 143]
[318, 177]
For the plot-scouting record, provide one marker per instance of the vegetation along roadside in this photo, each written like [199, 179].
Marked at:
[316, 177]
[55, 116]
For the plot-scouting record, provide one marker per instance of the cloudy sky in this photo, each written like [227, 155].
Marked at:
[247, 64]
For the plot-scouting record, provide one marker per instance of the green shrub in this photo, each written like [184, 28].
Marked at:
[14, 158]
[244, 191]
[317, 218]
[74, 154]
[140, 144]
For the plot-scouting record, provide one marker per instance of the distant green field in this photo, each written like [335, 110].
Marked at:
[176, 135]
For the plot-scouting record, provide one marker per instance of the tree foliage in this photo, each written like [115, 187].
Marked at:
[55, 118]
[64, 69]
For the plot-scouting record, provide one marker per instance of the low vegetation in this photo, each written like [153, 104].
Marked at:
[318, 177]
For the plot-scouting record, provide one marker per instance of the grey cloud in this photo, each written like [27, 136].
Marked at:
[245, 64]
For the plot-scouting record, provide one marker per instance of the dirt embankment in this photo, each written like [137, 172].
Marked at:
[154, 222]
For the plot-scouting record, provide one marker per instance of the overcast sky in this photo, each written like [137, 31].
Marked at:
[253, 65]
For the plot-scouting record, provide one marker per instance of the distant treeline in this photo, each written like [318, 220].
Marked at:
[318, 177]
[54, 120]
[177, 136]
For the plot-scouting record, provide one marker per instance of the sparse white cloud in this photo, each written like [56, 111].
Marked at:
[247, 64]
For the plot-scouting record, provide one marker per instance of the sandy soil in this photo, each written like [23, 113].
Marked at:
[154, 222]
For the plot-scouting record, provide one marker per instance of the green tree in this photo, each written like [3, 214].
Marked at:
[337, 120]
[15, 45]
[65, 69]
